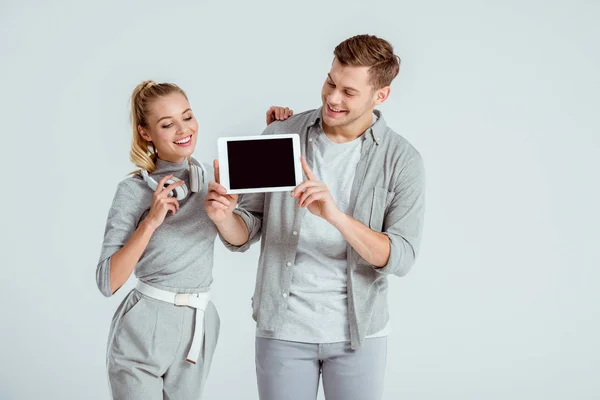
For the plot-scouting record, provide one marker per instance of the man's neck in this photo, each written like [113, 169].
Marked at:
[347, 133]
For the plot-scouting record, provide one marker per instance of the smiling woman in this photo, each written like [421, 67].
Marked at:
[164, 333]
[165, 237]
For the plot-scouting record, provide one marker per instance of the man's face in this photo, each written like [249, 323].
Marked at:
[348, 96]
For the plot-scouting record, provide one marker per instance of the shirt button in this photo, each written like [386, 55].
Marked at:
[284, 295]
[310, 139]
[289, 264]
[294, 233]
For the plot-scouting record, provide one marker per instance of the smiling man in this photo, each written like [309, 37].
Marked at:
[320, 301]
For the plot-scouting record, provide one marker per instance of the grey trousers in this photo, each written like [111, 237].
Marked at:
[148, 344]
[291, 370]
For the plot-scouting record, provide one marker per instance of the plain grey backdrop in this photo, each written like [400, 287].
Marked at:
[501, 99]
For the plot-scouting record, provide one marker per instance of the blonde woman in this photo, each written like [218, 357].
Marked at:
[164, 333]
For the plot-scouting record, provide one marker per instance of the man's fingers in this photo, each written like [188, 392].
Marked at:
[307, 193]
[303, 186]
[307, 171]
[312, 198]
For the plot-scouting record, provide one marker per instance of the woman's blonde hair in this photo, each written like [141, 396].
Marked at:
[143, 153]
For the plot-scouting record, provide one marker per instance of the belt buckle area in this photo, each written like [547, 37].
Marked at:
[182, 299]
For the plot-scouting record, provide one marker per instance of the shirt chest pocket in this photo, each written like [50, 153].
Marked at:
[381, 200]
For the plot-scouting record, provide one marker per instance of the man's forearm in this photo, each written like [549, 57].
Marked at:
[370, 245]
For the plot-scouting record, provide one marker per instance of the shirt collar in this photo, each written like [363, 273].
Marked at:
[375, 131]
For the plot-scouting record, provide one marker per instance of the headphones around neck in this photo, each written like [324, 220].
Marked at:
[197, 178]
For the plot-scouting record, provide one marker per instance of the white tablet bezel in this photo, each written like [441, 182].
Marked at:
[224, 162]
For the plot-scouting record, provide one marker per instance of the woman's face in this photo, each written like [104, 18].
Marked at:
[172, 127]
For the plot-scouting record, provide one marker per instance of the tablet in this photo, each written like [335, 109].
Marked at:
[256, 164]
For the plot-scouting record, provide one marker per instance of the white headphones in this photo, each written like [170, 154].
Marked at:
[197, 178]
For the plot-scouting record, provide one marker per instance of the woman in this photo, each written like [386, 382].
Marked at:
[163, 335]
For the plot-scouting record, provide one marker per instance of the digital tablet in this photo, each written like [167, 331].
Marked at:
[255, 164]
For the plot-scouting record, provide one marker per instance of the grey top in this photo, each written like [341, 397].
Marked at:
[179, 256]
[387, 195]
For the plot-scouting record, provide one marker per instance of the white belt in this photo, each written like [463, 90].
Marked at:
[198, 301]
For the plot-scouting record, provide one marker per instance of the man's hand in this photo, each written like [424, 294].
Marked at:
[314, 195]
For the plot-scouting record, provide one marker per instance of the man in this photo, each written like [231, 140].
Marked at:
[320, 301]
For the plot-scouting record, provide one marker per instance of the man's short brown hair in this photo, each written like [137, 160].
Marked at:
[370, 51]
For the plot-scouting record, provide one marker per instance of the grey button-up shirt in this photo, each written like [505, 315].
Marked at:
[388, 196]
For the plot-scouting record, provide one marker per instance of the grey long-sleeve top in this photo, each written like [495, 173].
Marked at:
[180, 252]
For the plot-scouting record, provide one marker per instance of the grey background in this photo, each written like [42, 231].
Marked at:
[501, 98]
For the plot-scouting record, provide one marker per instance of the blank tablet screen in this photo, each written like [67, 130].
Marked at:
[262, 163]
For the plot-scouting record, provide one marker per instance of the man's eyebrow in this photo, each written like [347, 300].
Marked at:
[347, 88]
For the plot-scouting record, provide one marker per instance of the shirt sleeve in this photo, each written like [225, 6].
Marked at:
[250, 209]
[403, 221]
[121, 223]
